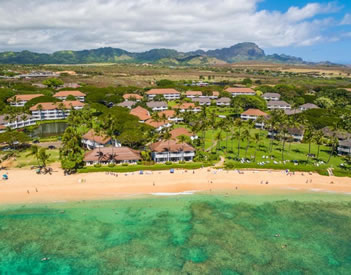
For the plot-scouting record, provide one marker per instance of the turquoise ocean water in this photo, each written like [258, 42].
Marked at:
[199, 234]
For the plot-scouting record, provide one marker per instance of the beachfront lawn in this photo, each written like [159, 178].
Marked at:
[135, 168]
[22, 158]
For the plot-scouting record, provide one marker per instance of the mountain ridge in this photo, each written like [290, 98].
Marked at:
[246, 51]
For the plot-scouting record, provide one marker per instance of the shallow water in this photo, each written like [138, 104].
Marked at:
[180, 235]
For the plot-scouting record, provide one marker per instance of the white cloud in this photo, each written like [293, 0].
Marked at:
[346, 20]
[138, 25]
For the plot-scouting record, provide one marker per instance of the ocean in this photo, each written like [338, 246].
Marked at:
[186, 234]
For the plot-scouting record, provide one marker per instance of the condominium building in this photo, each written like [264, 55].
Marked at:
[240, 91]
[21, 100]
[271, 96]
[62, 95]
[171, 150]
[281, 105]
[223, 101]
[110, 155]
[91, 140]
[157, 105]
[168, 94]
[54, 110]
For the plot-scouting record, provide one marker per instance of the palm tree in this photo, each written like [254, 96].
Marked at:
[247, 137]
[319, 139]
[333, 142]
[40, 109]
[167, 137]
[218, 138]
[182, 139]
[238, 123]
[257, 139]
[308, 137]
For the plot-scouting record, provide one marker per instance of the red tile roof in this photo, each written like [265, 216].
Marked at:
[170, 146]
[141, 113]
[185, 106]
[131, 96]
[101, 139]
[195, 93]
[162, 91]
[254, 112]
[156, 124]
[215, 93]
[67, 93]
[167, 113]
[240, 90]
[24, 97]
[180, 132]
[55, 105]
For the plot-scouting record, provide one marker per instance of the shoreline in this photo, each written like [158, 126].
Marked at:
[26, 187]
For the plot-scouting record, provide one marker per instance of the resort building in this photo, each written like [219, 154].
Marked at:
[171, 150]
[141, 113]
[127, 104]
[170, 115]
[168, 94]
[132, 97]
[193, 94]
[188, 107]
[296, 134]
[271, 96]
[62, 95]
[240, 91]
[308, 106]
[21, 100]
[157, 105]
[223, 101]
[16, 122]
[54, 110]
[203, 101]
[158, 125]
[344, 147]
[214, 95]
[341, 136]
[111, 155]
[91, 141]
[281, 105]
[177, 132]
[254, 114]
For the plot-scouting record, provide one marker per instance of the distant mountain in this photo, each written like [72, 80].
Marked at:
[239, 52]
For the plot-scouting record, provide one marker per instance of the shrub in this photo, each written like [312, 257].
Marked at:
[182, 162]
[125, 164]
[168, 163]
[111, 165]
[97, 165]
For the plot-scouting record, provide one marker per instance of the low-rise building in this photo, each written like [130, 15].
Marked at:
[141, 113]
[240, 91]
[158, 125]
[171, 150]
[340, 135]
[170, 115]
[132, 97]
[168, 94]
[127, 104]
[188, 107]
[214, 95]
[344, 147]
[271, 96]
[297, 134]
[157, 105]
[21, 100]
[91, 141]
[280, 105]
[111, 155]
[177, 132]
[62, 95]
[308, 106]
[54, 110]
[254, 114]
[203, 101]
[193, 94]
[223, 101]
[16, 122]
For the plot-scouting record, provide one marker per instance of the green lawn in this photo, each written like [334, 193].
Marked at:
[23, 160]
[295, 151]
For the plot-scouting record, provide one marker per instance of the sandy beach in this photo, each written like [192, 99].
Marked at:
[25, 186]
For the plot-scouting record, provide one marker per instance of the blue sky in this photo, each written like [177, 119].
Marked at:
[336, 51]
[316, 30]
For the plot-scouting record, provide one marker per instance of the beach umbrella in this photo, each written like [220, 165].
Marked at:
[5, 177]
[172, 171]
[141, 172]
